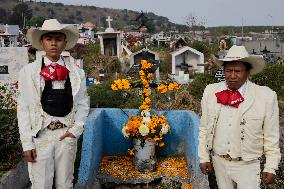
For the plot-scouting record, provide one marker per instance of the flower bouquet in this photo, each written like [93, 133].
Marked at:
[146, 129]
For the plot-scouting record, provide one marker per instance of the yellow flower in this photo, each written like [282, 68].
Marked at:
[147, 100]
[145, 65]
[118, 81]
[114, 87]
[171, 86]
[141, 73]
[120, 86]
[146, 92]
[150, 75]
[144, 107]
[162, 88]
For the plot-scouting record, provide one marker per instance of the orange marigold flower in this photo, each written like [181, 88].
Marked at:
[145, 65]
[141, 73]
[171, 86]
[144, 107]
[147, 100]
[162, 88]
[120, 86]
[150, 75]
[161, 144]
[146, 92]
[114, 87]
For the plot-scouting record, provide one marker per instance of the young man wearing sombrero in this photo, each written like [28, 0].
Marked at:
[52, 107]
[239, 123]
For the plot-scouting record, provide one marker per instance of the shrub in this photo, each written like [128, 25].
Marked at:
[273, 77]
[102, 96]
[197, 86]
[8, 119]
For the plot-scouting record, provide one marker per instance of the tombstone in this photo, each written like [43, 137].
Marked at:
[220, 74]
[12, 59]
[110, 41]
[125, 58]
[186, 61]
[103, 136]
[177, 44]
[136, 58]
[8, 35]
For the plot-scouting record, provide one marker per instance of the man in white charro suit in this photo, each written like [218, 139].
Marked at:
[52, 107]
[239, 123]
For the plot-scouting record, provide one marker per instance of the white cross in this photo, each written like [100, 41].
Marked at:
[109, 20]
[6, 32]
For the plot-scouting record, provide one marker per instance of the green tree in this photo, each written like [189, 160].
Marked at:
[3, 15]
[36, 21]
[21, 15]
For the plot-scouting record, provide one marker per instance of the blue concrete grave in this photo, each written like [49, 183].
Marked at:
[103, 136]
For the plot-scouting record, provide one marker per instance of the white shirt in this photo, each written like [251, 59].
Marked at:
[227, 138]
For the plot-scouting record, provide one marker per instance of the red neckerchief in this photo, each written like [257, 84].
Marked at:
[54, 72]
[229, 97]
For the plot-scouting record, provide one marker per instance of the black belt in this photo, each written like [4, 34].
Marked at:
[55, 125]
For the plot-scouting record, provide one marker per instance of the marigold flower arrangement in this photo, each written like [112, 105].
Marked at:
[145, 126]
[8, 94]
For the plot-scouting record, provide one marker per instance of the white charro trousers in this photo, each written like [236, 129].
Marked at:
[54, 159]
[236, 174]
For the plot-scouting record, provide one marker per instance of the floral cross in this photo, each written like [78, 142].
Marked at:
[145, 126]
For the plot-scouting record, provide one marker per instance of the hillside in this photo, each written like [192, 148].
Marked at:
[122, 19]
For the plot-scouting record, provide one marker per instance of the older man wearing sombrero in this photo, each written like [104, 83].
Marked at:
[52, 107]
[239, 123]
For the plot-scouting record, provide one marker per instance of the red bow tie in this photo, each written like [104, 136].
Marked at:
[229, 97]
[56, 72]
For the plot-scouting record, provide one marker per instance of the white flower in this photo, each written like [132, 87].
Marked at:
[144, 130]
[145, 113]
[125, 134]
[146, 119]
[164, 129]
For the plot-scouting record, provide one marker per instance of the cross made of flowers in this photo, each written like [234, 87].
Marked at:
[145, 126]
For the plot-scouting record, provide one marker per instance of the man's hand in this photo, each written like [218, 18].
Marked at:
[267, 178]
[67, 134]
[30, 155]
[206, 167]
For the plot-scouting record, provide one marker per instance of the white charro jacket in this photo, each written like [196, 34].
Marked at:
[29, 110]
[258, 120]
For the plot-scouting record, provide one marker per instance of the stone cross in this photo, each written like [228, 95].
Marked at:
[109, 20]
[6, 31]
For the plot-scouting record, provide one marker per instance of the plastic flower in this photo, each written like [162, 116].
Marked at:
[144, 130]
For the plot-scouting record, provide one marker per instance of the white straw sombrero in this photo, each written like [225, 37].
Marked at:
[52, 25]
[239, 53]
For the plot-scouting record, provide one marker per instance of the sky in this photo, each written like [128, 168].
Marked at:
[214, 12]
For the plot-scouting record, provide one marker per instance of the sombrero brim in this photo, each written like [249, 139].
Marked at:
[72, 36]
[256, 61]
